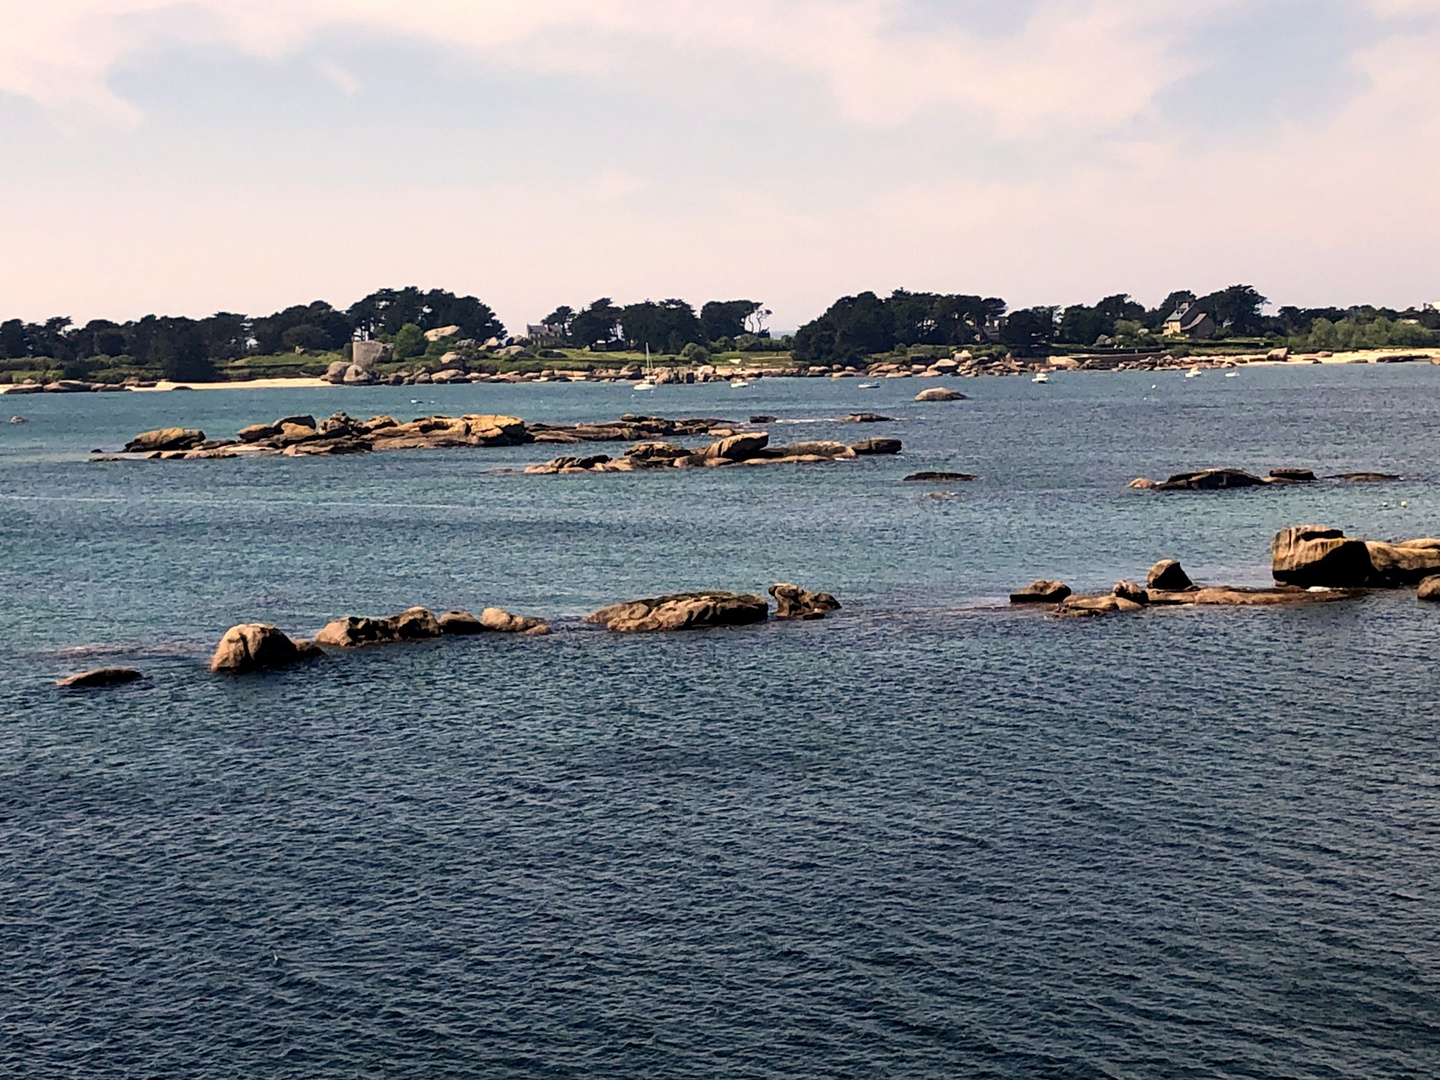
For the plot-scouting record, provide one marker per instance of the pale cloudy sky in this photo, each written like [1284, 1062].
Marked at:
[185, 157]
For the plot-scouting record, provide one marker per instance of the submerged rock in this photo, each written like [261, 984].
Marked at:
[258, 647]
[1292, 476]
[866, 418]
[1043, 591]
[939, 477]
[1367, 477]
[162, 439]
[110, 676]
[682, 611]
[939, 393]
[1210, 480]
[793, 602]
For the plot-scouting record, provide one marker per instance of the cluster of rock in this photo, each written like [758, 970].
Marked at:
[700, 610]
[72, 386]
[1310, 563]
[1219, 479]
[261, 647]
[940, 478]
[631, 427]
[296, 436]
[745, 448]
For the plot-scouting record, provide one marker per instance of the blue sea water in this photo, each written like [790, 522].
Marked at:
[926, 837]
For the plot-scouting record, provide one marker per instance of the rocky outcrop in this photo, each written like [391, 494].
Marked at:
[939, 393]
[866, 418]
[1314, 555]
[1366, 477]
[559, 465]
[736, 447]
[1043, 591]
[99, 677]
[1292, 476]
[1167, 575]
[1210, 480]
[1089, 606]
[498, 621]
[939, 477]
[1429, 588]
[682, 611]
[258, 647]
[172, 438]
[793, 602]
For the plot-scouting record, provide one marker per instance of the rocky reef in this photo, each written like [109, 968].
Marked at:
[745, 448]
[1221, 479]
[1316, 556]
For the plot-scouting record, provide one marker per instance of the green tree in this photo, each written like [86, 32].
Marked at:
[598, 324]
[852, 328]
[1237, 308]
[409, 341]
[667, 326]
[1029, 332]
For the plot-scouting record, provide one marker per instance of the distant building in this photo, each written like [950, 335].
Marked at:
[1188, 321]
[366, 354]
[545, 335]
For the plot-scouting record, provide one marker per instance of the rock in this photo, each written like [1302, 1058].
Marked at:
[258, 647]
[939, 393]
[1312, 555]
[1292, 476]
[1210, 480]
[866, 418]
[295, 433]
[1167, 575]
[793, 602]
[819, 449]
[164, 439]
[939, 477]
[299, 420]
[1429, 588]
[737, 447]
[502, 622]
[682, 611]
[355, 375]
[656, 451]
[1366, 478]
[416, 623]
[353, 632]
[1128, 590]
[460, 622]
[867, 447]
[335, 373]
[1041, 592]
[1278, 355]
[763, 419]
[109, 676]
[1143, 483]
[256, 432]
[1229, 596]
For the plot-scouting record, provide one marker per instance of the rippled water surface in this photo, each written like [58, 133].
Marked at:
[927, 837]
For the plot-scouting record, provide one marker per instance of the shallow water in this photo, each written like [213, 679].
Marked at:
[928, 836]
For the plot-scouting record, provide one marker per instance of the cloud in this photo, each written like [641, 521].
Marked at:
[1093, 64]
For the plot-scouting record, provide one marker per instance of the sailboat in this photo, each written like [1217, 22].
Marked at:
[648, 382]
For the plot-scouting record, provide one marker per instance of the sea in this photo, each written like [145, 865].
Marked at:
[930, 836]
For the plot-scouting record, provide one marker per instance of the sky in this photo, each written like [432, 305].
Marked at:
[244, 155]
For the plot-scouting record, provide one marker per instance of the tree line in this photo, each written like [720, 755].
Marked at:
[852, 328]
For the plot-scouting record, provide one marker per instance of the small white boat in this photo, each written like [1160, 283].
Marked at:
[1232, 374]
[648, 382]
[18, 420]
[740, 382]
[1040, 376]
[1193, 373]
[869, 385]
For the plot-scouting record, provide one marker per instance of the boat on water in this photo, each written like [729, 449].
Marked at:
[740, 382]
[1193, 373]
[1041, 377]
[869, 386]
[1232, 374]
[648, 382]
